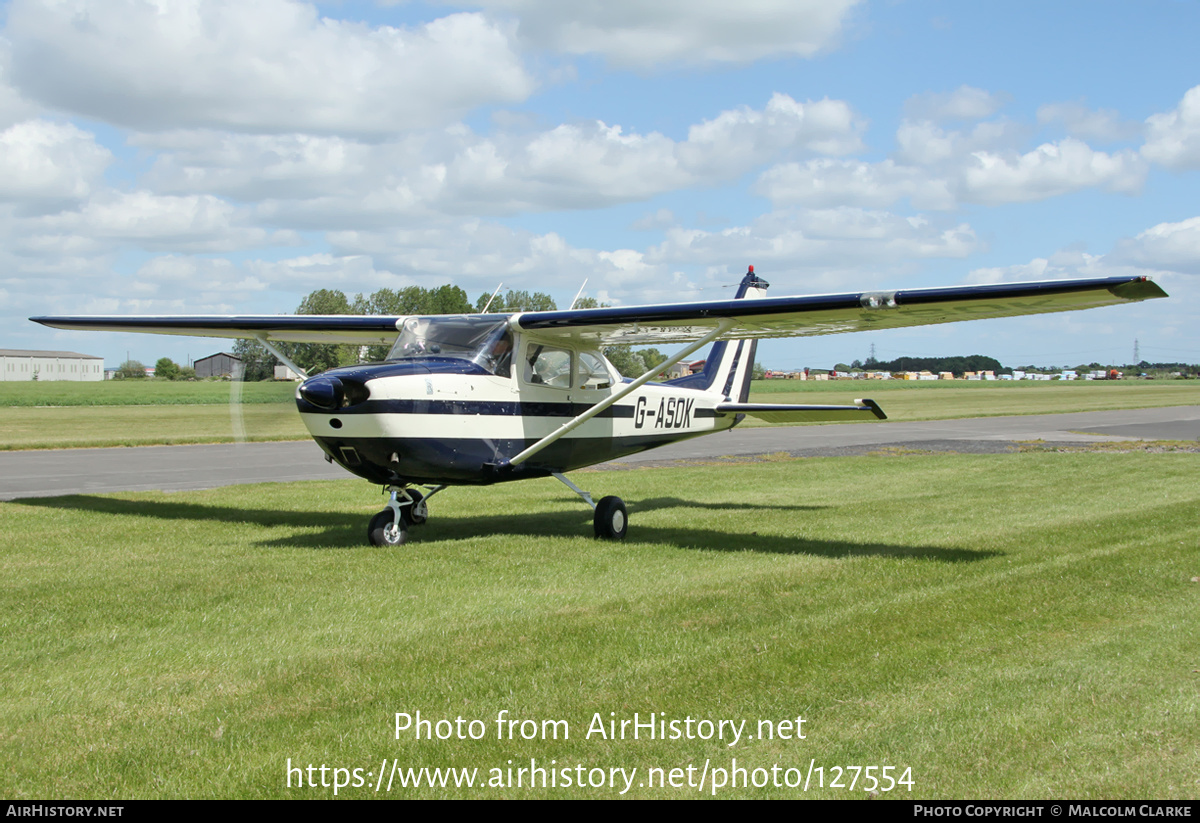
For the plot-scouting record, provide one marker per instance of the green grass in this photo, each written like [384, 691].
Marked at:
[140, 393]
[46, 415]
[97, 426]
[1019, 625]
[136, 413]
[944, 400]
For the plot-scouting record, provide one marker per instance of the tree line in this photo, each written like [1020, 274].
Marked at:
[957, 364]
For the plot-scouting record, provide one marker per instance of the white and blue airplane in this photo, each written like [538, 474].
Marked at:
[488, 398]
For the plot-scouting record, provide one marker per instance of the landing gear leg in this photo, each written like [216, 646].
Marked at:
[610, 520]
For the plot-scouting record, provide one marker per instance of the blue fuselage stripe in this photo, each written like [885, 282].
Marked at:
[480, 407]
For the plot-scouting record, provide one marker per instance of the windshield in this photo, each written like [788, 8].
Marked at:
[485, 341]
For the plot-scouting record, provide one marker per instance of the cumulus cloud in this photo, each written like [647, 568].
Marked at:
[1167, 251]
[964, 103]
[310, 181]
[13, 107]
[1167, 247]
[194, 223]
[43, 162]
[272, 66]
[826, 182]
[1173, 138]
[1049, 170]
[1089, 124]
[924, 143]
[350, 273]
[636, 34]
[938, 169]
[819, 238]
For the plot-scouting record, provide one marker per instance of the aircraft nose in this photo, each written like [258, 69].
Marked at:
[323, 392]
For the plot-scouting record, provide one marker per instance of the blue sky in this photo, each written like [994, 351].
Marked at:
[219, 157]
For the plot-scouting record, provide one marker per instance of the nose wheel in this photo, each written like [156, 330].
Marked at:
[384, 530]
[407, 507]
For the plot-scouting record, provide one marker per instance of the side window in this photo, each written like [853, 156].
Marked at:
[593, 373]
[547, 365]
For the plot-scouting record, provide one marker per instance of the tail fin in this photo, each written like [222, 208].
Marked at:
[730, 363]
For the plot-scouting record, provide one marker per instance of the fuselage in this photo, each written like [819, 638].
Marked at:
[437, 419]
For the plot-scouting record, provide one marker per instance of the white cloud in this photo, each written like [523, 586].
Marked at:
[353, 274]
[923, 143]
[1173, 138]
[328, 182]
[808, 250]
[196, 223]
[1166, 247]
[44, 162]
[936, 169]
[1049, 170]
[1090, 124]
[1167, 251]
[813, 242]
[744, 137]
[257, 167]
[1036, 269]
[270, 66]
[634, 33]
[655, 221]
[13, 107]
[826, 182]
[964, 103]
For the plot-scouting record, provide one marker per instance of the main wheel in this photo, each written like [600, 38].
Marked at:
[610, 521]
[383, 532]
[418, 512]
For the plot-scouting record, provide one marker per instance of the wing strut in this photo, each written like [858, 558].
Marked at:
[283, 358]
[723, 325]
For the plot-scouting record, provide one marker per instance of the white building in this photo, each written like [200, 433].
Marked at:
[24, 365]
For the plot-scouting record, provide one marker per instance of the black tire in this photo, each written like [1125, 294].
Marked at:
[381, 533]
[410, 512]
[611, 521]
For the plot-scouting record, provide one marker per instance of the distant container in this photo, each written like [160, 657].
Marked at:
[285, 373]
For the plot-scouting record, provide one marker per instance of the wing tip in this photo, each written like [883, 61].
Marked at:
[1141, 288]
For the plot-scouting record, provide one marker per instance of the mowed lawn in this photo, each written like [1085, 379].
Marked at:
[137, 413]
[1016, 625]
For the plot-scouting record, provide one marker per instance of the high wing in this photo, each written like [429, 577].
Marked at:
[680, 322]
[835, 313]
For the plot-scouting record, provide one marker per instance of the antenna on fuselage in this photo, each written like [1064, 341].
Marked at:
[577, 294]
[490, 299]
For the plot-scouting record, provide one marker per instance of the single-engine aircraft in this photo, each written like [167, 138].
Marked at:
[488, 398]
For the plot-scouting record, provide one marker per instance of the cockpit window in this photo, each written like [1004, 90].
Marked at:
[593, 373]
[547, 366]
[485, 341]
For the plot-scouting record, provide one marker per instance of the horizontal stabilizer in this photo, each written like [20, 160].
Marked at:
[863, 410]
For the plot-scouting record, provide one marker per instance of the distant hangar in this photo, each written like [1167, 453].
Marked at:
[23, 364]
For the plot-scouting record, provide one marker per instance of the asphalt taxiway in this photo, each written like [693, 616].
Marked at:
[180, 468]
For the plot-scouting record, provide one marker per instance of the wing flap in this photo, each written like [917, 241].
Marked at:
[771, 413]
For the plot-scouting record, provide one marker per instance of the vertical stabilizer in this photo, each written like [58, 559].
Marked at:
[730, 363]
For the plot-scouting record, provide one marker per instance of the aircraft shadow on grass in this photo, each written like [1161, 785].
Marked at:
[343, 530]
